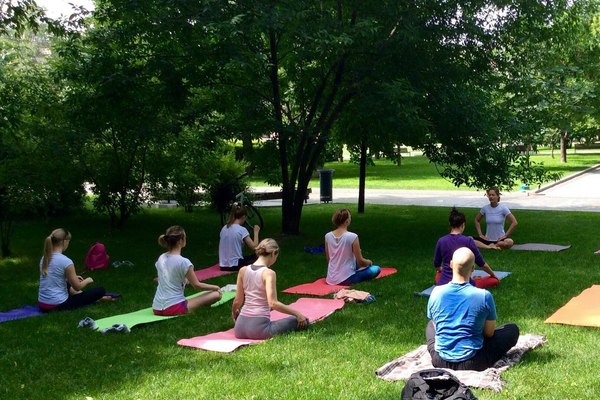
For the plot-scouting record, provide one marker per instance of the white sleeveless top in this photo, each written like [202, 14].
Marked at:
[342, 263]
[255, 294]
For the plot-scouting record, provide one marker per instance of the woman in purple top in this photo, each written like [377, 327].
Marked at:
[447, 245]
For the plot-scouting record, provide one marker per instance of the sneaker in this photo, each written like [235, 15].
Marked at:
[116, 328]
[124, 263]
[87, 322]
[369, 299]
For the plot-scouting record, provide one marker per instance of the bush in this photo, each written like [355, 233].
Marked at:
[226, 180]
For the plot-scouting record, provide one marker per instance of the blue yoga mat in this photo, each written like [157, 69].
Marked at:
[500, 274]
[20, 313]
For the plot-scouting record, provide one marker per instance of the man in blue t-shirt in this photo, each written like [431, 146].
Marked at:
[462, 333]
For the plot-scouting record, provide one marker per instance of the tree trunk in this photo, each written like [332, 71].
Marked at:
[247, 151]
[362, 176]
[563, 146]
[292, 214]
[6, 227]
[290, 219]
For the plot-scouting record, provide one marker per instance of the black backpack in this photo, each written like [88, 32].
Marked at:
[435, 384]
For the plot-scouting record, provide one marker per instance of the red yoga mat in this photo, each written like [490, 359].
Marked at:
[211, 272]
[321, 288]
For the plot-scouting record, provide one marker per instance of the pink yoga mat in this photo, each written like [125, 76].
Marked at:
[226, 342]
[321, 288]
[211, 272]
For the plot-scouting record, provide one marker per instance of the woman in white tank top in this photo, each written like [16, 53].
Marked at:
[345, 262]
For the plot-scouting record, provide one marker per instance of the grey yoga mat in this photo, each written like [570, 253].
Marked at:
[539, 247]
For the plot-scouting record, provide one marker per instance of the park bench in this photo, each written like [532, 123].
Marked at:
[404, 150]
[586, 146]
[259, 196]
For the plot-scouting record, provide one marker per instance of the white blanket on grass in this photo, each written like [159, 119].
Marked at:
[403, 367]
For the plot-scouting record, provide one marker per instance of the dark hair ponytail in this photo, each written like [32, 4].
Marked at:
[456, 218]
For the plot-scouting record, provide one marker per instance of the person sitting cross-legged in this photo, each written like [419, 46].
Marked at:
[462, 333]
[345, 262]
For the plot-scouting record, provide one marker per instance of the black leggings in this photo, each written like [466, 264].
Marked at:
[247, 260]
[86, 297]
[485, 241]
[494, 348]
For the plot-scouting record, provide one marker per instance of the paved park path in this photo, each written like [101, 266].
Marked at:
[577, 192]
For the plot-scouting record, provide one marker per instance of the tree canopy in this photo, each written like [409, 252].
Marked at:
[144, 86]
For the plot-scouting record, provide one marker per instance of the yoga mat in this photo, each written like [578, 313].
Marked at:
[146, 315]
[581, 310]
[419, 359]
[211, 272]
[321, 288]
[500, 274]
[226, 342]
[20, 313]
[540, 247]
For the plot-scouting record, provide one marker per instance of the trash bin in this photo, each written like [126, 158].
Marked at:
[326, 185]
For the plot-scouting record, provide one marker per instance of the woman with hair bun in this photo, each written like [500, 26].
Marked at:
[256, 296]
[495, 215]
[232, 238]
[447, 245]
[345, 262]
[174, 272]
[60, 286]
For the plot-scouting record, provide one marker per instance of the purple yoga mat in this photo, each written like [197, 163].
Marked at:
[20, 313]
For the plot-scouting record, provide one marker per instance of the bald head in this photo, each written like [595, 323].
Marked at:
[462, 262]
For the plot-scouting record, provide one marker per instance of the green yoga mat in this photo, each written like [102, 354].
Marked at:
[146, 315]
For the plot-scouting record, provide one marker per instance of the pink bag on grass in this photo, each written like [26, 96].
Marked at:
[97, 257]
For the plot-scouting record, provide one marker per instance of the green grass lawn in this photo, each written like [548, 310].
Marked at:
[50, 358]
[417, 173]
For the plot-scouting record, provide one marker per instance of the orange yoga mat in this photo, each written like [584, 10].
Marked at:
[582, 310]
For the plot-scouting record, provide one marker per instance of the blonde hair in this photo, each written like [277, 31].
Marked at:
[171, 237]
[57, 236]
[267, 247]
[237, 211]
[340, 216]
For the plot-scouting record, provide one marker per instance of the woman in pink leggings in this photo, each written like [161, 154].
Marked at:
[174, 272]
